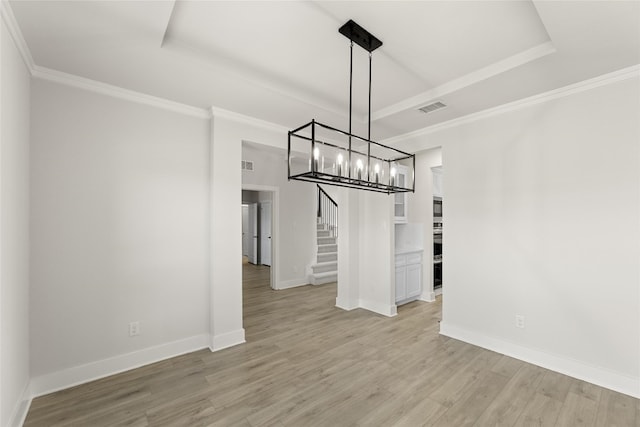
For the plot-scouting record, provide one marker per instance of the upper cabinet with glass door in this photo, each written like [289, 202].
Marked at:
[400, 199]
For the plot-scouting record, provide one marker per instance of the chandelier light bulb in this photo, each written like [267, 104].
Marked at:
[316, 156]
[339, 160]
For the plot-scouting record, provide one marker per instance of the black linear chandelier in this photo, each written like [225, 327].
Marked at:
[323, 154]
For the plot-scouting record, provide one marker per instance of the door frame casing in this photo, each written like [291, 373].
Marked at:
[253, 231]
[263, 224]
[245, 229]
[275, 215]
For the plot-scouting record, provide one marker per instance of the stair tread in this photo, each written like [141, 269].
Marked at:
[325, 274]
[326, 257]
[324, 263]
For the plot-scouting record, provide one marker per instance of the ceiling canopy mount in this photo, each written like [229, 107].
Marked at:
[360, 36]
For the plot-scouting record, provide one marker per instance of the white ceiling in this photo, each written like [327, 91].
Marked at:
[286, 63]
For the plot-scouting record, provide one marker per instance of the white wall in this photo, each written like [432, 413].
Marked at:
[542, 220]
[136, 217]
[296, 239]
[14, 232]
[120, 220]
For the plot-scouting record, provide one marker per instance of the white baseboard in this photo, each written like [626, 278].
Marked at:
[19, 414]
[345, 305]
[567, 366]
[48, 383]
[385, 310]
[287, 284]
[226, 340]
[428, 296]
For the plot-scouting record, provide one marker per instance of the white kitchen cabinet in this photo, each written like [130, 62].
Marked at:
[400, 199]
[401, 283]
[414, 280]
[408, 276]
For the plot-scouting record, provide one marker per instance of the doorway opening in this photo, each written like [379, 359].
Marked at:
[437, 181]
[258, 226]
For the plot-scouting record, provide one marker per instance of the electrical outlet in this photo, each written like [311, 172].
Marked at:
[519, 321]
[134, 329]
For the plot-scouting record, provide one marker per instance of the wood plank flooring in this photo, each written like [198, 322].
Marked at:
[307, 363]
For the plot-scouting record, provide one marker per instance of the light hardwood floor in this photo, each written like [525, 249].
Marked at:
[307, 363]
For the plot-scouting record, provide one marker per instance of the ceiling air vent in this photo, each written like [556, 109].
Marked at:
[247, 165]
[438, 105]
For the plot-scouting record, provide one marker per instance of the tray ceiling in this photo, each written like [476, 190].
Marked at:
[285, 62]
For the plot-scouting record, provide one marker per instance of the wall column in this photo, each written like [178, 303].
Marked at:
[348, 247]
[365, 252]
[225, 240]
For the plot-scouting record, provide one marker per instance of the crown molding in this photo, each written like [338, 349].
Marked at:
[117, 92]
[467, 80]
[73, 80]
[585, 85]
[14, 30]
[237, 117]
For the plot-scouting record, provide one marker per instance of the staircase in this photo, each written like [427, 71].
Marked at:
[325, 270]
